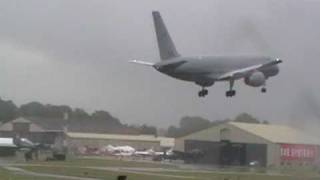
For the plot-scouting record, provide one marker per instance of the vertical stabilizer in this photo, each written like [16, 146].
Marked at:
[166, 46]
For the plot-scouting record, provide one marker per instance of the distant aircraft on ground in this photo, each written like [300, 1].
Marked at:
[206, 70]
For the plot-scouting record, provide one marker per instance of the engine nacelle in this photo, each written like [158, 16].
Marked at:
[256, 79]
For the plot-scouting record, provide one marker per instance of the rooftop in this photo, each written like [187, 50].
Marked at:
[164, 141]
[278, 133]
[40, 124]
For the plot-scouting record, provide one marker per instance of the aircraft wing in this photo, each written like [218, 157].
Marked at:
[239, 73]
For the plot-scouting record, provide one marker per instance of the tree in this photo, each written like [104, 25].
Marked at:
[188, 125]
[105, 116]
[33, 109]
[79, 113]
[173, 131]
[192, 124]
[36, 109]
[246, 118]
[144, 129]
[8, 111]
[53, 111]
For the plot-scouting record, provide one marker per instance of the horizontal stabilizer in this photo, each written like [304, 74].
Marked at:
[142, 62]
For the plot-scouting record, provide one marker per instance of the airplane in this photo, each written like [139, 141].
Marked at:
[206, 70]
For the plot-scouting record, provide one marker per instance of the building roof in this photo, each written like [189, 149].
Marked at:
[48, 124]
[36, 124]
[8, 126]
[40, 124]
[164, 141]
[278, 133]
[21, 120]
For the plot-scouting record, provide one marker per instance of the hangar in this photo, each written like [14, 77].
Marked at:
[77, 133]
[7, 147]
[239, 144]
[37, 130]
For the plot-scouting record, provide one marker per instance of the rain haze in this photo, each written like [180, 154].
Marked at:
[76, 53]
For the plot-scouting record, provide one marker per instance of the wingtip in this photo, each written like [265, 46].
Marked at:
[155, 13]
[132, 61]
[279, 60]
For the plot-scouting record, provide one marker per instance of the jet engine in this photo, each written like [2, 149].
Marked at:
[256, 79]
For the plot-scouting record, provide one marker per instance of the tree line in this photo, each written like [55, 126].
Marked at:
[10, 111]
[187, 124]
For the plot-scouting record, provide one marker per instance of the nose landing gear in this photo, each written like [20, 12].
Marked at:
[264, 89]
[203, 92]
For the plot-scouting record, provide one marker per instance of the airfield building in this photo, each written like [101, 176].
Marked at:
[7, 147]
[138, 142]
[37, 130]
[239, 144]
[79, 133]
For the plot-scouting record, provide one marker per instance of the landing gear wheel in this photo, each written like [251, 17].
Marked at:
[263, 90]
[203, 93]
[230, 93]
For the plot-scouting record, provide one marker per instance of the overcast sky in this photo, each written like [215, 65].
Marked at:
[75, 52]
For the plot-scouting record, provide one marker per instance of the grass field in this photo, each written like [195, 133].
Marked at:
[103, 162]
[105, 174]
[93, 173]
[109, 169]
[8, 175]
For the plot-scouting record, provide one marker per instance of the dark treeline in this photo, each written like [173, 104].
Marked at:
[9, 111]
[187, 125]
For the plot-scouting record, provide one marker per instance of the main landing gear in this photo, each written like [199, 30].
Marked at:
[264, 89]
[231, 92]
[203, 92]
[204, 84]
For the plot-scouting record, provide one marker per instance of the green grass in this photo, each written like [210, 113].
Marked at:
[92, 173]
[86, 162]
[234, 176]
[79, 167]
[8, 175]
[110, 175]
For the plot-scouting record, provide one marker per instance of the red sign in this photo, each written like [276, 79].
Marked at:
[291, 152]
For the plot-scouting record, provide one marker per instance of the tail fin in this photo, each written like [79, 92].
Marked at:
[166, 46]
